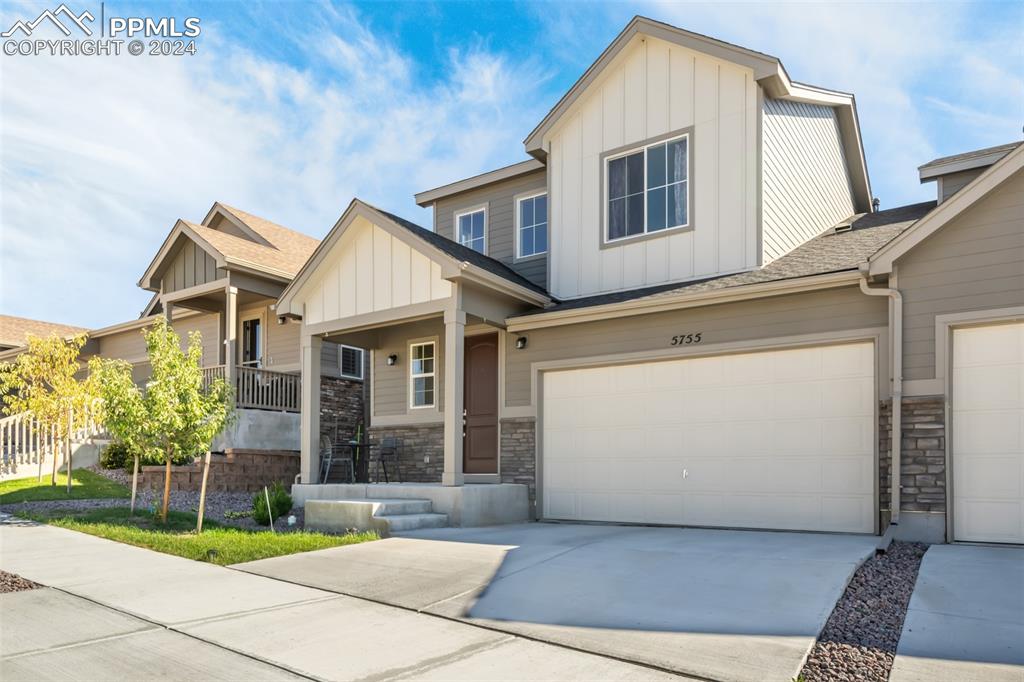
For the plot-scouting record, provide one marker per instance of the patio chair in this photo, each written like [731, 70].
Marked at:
[388, 449]
[331, 456]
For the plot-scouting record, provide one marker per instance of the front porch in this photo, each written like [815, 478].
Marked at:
[260, 389]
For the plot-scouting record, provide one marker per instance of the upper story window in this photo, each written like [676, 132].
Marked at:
[470, 227]
[350, 362]
[531, 225]
[647, 189]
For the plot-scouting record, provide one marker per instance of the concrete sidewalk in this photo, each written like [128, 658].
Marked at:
[186, 620]
[966, 617]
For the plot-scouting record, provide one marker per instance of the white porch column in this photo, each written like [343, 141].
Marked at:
[454, 345]
[230, 334]
[310, 414]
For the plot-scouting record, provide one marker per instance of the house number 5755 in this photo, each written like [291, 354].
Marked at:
[685, 339]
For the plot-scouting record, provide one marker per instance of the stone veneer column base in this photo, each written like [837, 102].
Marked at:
[922, 466]
[420, 451]
[518, 455]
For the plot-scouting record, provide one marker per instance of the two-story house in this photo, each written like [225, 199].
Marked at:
[684, 309]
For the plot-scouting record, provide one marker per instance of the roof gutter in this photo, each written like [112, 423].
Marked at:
[896, 353]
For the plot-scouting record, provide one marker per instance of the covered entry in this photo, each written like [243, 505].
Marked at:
[781, 439]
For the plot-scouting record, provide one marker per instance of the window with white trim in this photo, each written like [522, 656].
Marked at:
[647, 189]
[532, 222]
[421, 374]
[469, 228]
[350, 362]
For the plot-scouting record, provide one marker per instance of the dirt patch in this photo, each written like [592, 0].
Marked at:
[860, 638]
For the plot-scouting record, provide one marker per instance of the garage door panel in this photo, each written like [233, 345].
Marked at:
[763, 438]
[988, 433]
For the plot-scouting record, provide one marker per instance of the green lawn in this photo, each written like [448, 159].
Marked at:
[217, 544]
[85, 485]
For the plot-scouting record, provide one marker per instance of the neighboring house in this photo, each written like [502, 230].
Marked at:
[14, 331]
[221, 277]
[682, 310]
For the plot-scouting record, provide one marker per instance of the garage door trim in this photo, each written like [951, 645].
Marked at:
[878, 336]
[945, 325]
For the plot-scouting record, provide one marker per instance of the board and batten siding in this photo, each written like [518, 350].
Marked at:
[976, 262]
[190, 266]
[651, 89]
[806, 185]
[819, 312]
[369, 270]
[500, 199]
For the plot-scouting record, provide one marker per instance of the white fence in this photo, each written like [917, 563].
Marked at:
[26, 447]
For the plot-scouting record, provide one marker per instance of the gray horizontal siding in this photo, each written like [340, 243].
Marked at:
[501, 220]
[810, 313]
[974, 263]
[391, 384]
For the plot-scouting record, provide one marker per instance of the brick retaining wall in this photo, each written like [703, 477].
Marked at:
[922, 458]
[234, 471]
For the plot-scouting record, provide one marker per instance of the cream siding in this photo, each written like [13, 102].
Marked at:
[817, 312]
[974, 263]
[806, 186]
[391, 384]
[651, 89]
[950, 184]
[282, 345]
[131, 346]
[501, 220]
[190, 266]
[369, 270]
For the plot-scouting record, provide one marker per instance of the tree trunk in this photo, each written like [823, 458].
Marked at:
[135, 483]
[167, 487]
[55, 449]
[202, 494]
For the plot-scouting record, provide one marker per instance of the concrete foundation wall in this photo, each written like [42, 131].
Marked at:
[260, 430]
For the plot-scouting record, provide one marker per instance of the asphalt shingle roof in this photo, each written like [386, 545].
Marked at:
[289, 251]
[1009, 147]
[14, 331]
[828, 252]
[464, 253]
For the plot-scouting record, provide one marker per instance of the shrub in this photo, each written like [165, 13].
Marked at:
[280, 504]
[120, 456]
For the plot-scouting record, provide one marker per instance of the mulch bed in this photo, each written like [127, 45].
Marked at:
[15, 583]
[860, 638]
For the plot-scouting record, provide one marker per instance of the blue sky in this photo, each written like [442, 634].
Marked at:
[292, 108]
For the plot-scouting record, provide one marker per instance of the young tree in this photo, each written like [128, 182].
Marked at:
[176, 413]
[42, 380]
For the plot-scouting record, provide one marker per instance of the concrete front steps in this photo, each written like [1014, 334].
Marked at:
[386, 516]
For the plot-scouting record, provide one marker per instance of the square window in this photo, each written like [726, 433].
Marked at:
[648, 189]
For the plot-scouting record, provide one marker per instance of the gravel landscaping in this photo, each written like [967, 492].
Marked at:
[860, 638]
[15, 583]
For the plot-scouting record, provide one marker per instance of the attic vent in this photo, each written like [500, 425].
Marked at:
[845, 226]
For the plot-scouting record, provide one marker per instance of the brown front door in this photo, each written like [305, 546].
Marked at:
[480, 439]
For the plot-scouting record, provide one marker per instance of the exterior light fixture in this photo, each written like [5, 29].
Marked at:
[521, 342]
[392, 360]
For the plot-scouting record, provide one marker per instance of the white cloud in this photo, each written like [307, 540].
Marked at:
[101, 155]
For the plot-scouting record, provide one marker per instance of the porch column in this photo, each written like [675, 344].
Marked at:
[454, 344]
[310, 414]
[230, 334]
[168, 311]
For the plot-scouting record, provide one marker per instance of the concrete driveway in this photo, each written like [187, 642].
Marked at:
[966, 617]
[725, 605]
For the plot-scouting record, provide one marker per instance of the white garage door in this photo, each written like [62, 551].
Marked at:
[988, 433]
[778, 439]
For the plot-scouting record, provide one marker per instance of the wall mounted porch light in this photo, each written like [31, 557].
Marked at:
[521, 342]
[392, 360]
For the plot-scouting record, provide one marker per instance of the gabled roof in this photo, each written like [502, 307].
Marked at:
[14, 331]
[460, 260]
[768, 72]
[882, 262]
[830, 253]
[979, 158]
[268, 248]
[429, 196]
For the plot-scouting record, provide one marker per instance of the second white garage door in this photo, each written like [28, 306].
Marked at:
[776, 439]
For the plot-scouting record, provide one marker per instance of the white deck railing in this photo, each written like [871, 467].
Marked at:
[25, 443]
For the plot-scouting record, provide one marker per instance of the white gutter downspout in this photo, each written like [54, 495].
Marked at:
[896, 355]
